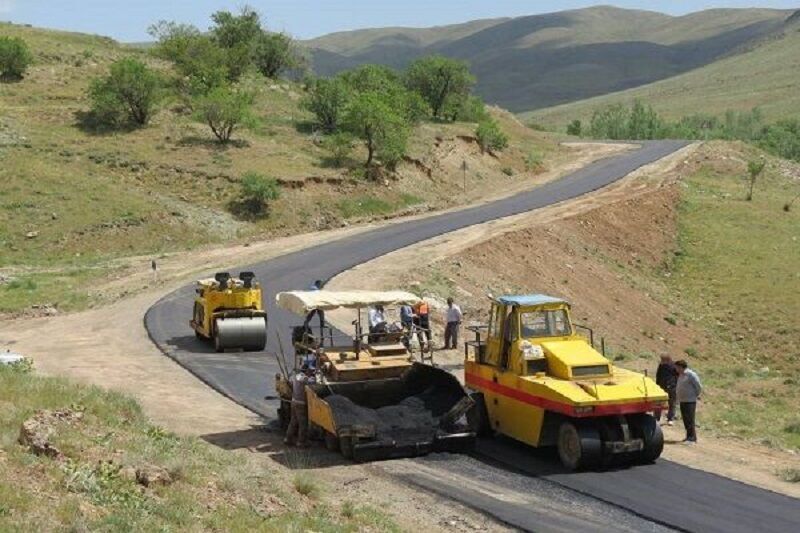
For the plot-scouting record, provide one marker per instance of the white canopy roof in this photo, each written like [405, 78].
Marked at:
[302, 302]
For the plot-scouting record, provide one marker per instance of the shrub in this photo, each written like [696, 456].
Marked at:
[534, 160]
[575, 128]
[15, 58]
[754, 170]
[508, 171]
[128, 95]
[223, 110]
[490, 136]
[273, 53]
[326, 99]
[340, 147]
[257, 191]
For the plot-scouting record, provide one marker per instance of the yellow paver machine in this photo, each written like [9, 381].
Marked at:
[372, 399]
[230, 312]
[535, 379]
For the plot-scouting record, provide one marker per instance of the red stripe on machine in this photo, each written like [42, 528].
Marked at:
[550, 405]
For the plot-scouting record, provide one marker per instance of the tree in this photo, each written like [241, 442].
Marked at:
[129, 94]
[383, 129]
[15, 58]
[490, 136]
[644, 122]
[257, 191]
[439, 80]
[273, 53]
[237, 35]
[610, 123]
[574, 128]
[223, 110]
[327, 99]
[197, 57]
[339, 146]
[754, 170]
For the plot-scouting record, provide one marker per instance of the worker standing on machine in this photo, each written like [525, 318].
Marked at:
[423, 322]
[297, 432]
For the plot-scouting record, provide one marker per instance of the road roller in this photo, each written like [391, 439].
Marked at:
[535, 378]
[229, 311]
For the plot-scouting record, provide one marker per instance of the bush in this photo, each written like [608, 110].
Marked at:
[340, 147]
[223, 110]
[533, 161]
[490, 136]
[128, 95]
[326, 99]
[15, 58]
[257, 191]
[575, 128]
[273, 53]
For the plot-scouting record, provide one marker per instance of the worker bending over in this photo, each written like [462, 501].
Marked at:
[297, 433]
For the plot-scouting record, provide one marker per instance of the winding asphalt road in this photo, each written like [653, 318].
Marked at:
[664, 493]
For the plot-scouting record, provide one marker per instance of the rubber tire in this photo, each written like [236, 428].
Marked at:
[648, 429]
[331, 442]
[579, 445]
[346, 447]
[478, 416]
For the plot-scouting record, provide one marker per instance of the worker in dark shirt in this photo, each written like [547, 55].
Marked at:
[667, 379]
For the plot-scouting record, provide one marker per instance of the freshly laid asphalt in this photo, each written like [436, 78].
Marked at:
[665, 493]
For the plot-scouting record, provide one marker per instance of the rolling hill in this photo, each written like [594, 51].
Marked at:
[539, 61]
[766, 76]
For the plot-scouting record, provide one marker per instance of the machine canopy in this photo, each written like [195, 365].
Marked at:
[302, 302]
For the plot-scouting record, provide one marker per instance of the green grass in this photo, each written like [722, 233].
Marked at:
[212, 490]
[736, 277]
[764, 77]
[370, 206]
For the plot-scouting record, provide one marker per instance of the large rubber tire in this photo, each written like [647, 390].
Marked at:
[478, 416]
[579, 445]
[647, 428]
[346, 447]
[332, 442]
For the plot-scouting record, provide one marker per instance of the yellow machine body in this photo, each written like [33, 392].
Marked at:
[535, 372]
[230, 312]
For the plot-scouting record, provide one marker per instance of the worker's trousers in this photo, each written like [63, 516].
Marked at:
[451, 335]
[670, 409]
[297, 433]
[688, 410]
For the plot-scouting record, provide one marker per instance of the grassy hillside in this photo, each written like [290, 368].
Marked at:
[108, 469]
[766, 76]
[75, 203]
[539, 61]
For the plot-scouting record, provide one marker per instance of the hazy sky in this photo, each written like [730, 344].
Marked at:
[128, 20]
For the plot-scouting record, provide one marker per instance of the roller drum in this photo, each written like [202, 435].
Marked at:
[247, 333]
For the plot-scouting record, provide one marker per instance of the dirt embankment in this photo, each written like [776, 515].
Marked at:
[601, 253]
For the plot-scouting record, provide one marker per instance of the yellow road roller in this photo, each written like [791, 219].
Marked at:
[230, 312]
[535, 379]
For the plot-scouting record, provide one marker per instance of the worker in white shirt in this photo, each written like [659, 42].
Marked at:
[454, 317]
[377, 323]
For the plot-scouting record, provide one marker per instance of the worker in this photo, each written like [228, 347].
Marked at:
[297, 432]
[687, 393]
[377, 322]
[423, 323]
[316, 286]
[454, 317]
[667, 379]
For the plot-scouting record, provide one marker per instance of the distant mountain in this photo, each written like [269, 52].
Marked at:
[765, 74]
[538, 61]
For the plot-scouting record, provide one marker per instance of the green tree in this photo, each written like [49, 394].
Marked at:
[237, 35]
[15, 58]
[274, 53]
[327, 99]
[438, 80]
[610, 123]
[224, 110]
[754, 170]
[257, 191]
[202, 64]
[490, 136]
[574, 128]
[643, 122]
[129, 94]
[382, 128]
[339, 147]
[469, 109]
